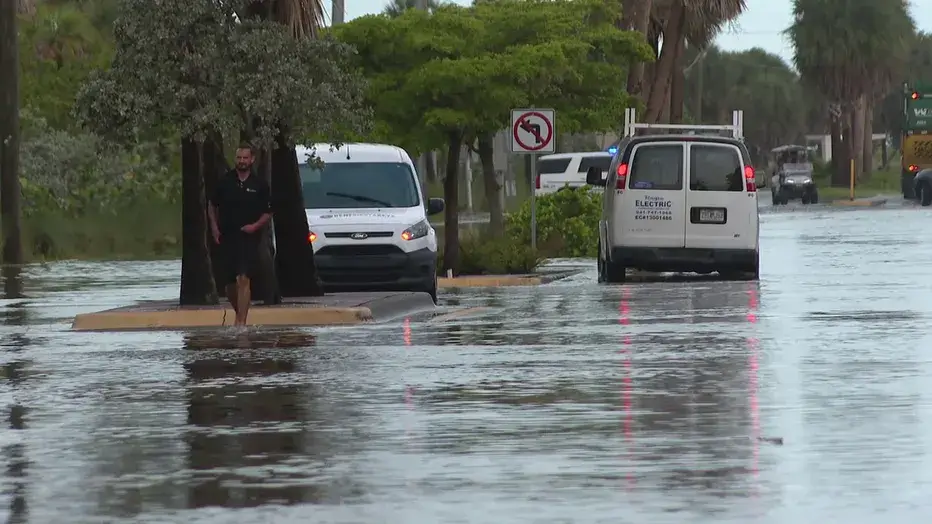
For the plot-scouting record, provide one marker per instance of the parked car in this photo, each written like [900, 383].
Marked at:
[368, 218]
[555, 172]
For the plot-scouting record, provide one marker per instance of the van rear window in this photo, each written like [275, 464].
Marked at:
[657, 167]
[715, 168]
[552, 166]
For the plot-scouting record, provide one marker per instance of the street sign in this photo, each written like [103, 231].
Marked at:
[532, 131]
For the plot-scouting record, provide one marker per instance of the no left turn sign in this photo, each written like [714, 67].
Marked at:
[532, 131]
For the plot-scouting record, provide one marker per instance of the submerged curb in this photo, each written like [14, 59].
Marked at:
[863, 202]
[468, 281]
[330, 310]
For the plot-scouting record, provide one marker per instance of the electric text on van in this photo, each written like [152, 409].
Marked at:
[367, 219]
[679, 203]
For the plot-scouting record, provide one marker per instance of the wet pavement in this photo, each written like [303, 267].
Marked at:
[571, 402]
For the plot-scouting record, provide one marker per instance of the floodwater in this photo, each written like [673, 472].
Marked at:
[571, 402]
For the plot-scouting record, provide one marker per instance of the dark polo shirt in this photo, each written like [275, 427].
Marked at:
[240, 202]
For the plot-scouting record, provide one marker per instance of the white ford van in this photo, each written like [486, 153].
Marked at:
[368, 218]
[679, 203]
[554, 172]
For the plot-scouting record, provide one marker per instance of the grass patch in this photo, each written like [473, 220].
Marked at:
[881, 182]
[147, 231]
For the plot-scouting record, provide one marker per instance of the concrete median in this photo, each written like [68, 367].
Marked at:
[329, 310]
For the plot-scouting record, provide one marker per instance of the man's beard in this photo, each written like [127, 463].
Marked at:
[242, 167]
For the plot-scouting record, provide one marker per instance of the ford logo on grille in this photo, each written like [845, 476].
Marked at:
[359, 236]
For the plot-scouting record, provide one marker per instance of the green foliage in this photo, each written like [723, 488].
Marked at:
[481, 255]
[566, 223]
[59, 49]
[202, 66]
[458, 71]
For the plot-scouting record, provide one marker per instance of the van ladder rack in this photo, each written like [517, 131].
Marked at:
[736, 128]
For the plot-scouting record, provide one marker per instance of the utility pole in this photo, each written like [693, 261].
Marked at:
[9, 135]
[337, 12]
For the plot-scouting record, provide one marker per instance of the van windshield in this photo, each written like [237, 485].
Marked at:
[358, 184]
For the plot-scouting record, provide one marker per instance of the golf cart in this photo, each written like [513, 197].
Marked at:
[792, 176]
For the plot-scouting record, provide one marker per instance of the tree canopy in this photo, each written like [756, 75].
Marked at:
[461, 69]
[200, 66]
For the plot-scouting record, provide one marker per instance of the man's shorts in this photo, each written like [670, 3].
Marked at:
[240, 253]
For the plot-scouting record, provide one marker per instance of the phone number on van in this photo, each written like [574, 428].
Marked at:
[653, 208]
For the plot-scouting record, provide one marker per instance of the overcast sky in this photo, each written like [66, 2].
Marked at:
[760, 26]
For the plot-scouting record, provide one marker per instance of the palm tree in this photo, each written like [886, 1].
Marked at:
[678, 22]
[852, 52]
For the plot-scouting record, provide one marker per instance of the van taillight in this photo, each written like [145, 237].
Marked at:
[913, 168]
[749, 180]
[537, 182]
[622, 176]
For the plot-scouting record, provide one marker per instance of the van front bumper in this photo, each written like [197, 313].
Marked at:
[346, 267]
[681, 260]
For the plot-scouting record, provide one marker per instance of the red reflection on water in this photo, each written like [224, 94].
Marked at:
[624, 309]
[409, 391]
[753, 345]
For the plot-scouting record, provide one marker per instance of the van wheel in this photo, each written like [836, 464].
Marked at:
[925, 194]
[431, 289]
[814, 196]
[613, 273]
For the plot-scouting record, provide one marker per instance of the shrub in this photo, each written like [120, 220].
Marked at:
[494, 256]
[567, 223]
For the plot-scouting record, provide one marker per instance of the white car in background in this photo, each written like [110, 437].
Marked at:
[554, 172]
[368, 218]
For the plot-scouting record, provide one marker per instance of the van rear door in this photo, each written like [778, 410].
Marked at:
[651, 211]
[721, 213]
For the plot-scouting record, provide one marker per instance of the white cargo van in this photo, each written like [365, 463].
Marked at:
[680, 203]
[554, 172]
[368, 218]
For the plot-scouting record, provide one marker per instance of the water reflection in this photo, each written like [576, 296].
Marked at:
[247, 411]
[685, 381]
[12, 281]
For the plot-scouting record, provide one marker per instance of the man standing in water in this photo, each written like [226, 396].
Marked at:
[239, 208]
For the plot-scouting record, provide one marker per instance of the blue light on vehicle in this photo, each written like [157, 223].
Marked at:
[612, 150]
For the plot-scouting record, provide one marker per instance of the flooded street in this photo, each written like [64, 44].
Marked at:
[570, 402]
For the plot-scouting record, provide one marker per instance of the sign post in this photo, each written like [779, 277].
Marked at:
[532, 133]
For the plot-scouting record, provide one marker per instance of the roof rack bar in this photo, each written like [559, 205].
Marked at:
[736, 128]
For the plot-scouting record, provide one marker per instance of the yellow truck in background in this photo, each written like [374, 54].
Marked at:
[917, 145]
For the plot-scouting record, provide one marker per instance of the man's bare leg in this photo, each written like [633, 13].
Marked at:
[231, 296]
[243, 297]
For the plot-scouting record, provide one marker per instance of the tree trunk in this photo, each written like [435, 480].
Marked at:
[197, 277]
[215, 165]
[492, 187]
[839, 154]
[297, 273]
[10, 193]
[451, 225]
[432, 166]
[857, 137]
[665, 65]
[636, 17]
[868, 153]
[678, 83]
[264, 284]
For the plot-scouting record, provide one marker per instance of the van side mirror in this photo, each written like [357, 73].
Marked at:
[594, 177]
[434, 206]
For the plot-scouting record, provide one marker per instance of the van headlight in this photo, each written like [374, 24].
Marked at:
[419, 230]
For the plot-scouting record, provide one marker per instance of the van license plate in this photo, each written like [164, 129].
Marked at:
[712, 216]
